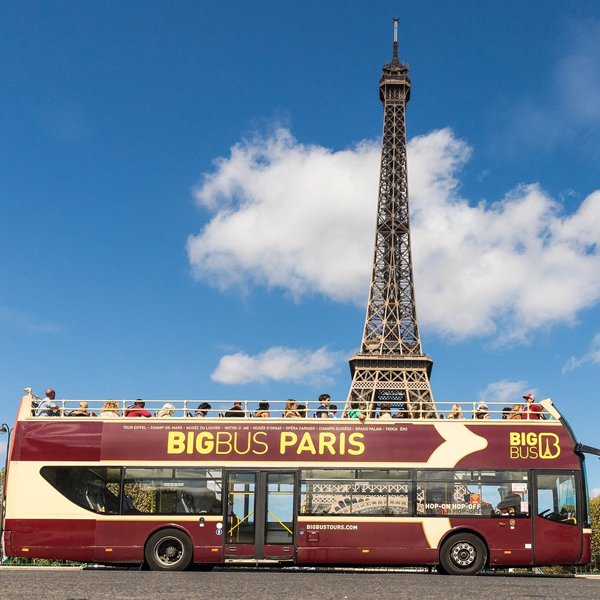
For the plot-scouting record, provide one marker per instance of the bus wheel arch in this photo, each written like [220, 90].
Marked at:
[463, 552]
[169, 549]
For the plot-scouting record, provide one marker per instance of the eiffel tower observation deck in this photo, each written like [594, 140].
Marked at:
[391, 367]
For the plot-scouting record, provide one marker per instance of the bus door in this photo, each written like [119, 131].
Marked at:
[557, 522]
[259, 522]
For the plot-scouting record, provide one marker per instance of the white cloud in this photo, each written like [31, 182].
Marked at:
[288, 215]
[591, 358]
[510, 392]
[302, 218]
[595, 492]
[279, 364]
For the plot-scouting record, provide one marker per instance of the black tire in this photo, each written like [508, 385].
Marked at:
[463, 554]
[441, 570]
[168, 550]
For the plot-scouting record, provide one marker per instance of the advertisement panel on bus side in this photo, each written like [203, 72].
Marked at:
[433, 444]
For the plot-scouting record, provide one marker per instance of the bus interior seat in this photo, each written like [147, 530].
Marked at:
[94, 496]
[128, 506]
[206, 501]
[187, 503]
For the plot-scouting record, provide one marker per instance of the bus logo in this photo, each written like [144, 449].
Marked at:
[534, 445]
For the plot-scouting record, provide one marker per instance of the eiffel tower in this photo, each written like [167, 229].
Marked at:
[390, 366]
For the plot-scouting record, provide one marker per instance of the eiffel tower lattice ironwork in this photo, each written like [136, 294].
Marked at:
[390, 366]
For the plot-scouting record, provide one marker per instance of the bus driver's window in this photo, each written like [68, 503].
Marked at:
[557, 498]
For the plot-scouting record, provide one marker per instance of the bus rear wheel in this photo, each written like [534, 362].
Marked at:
[168, 550]
[463, 554]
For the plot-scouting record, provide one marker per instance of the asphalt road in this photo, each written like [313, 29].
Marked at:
[18, 584]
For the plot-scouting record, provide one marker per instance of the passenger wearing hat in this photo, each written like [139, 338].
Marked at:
[531, 410]
[482, 411]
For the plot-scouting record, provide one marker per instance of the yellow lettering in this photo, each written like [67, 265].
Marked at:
[257, 441]
[514, 451]
[190, 442]
[235, 440]
[515, 438]
[205, 443]
[287, 439]
[531, 439]
[224, 439]
[306, 444]
[342, 443]
[326, 440]
[176, 442]
[352, 441]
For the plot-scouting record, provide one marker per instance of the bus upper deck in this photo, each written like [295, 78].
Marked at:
[245, 439]
[34, 406]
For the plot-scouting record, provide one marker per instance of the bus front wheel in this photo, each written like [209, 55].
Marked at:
[168, 550]
[463, 554]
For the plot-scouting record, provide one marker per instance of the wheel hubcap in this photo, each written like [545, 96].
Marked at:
[463, 554]
[169, 551]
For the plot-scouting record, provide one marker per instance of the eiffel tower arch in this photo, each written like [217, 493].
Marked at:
[391, 366]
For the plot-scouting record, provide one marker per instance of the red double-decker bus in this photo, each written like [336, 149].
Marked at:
[458, 494]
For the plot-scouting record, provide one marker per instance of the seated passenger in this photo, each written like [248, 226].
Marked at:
[482, 411]
[263, 410]
[110, 409]
[47, 407]
[510, 506]
[291, 409]
[302, 411]
[166, 411]
[516, 412]
[333, 411]
[385, 411]
[455, 412]
[322, 411]
[202, 410]
[81, 410]
[359, 413]
[236, 410]
[137, 409]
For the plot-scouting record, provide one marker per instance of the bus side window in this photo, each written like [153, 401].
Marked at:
[94, 488]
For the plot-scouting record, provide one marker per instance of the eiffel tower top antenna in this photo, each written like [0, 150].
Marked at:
[395, 56]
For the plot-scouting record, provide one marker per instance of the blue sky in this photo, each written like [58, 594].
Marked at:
[188, 193]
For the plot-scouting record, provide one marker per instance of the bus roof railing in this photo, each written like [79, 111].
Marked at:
[32, 406]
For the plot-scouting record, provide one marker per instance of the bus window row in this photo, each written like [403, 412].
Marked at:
[323, 492]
